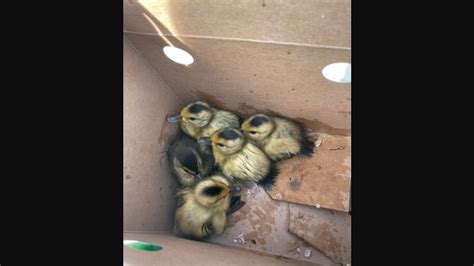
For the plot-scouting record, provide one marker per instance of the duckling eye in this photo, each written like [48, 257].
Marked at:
[220, 144]
[192, 118]
[253, 132]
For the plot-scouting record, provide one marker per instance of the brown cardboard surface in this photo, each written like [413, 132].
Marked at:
[329, 231]
[148, 187]
[263, 224]
[178, 251]
[298, 21]
[249, 56]
[323, 180]
[247, 77]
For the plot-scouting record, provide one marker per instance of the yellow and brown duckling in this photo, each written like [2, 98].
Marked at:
[199, 119]
[240, 159]
[280, 138]
[202, 210]
[188, 163]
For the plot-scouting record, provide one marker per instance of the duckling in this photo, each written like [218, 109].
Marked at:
[280, 138]
[187, 162]
[198, 119]
[202, 210]
[239, 158]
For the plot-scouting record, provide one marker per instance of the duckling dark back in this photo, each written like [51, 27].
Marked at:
[191, 156]
[307, 143]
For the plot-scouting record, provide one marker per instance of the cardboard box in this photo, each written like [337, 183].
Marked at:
[249, 56]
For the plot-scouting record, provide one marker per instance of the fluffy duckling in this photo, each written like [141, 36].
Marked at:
[198, 119]
[280, 138]
[202, 211]
[239, 158]
[187, 161]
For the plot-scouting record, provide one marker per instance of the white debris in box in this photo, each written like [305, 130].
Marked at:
[318, 142]
[249, 190]
[317, 205]
[307, 253]
[298, 250]
[240, 239]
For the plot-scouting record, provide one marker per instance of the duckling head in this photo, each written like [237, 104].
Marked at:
[228, 140]
[214, 191]
[197, 114]
[258, 127]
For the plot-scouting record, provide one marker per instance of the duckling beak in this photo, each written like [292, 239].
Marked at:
[204, 141]
[235, 188]
[174, 118]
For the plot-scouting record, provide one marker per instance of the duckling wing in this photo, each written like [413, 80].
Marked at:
[269, 180]
[297, 131]
[249, 164]
[218, 222]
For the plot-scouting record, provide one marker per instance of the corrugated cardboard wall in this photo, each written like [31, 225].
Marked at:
[147, 101]
[251, 55]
